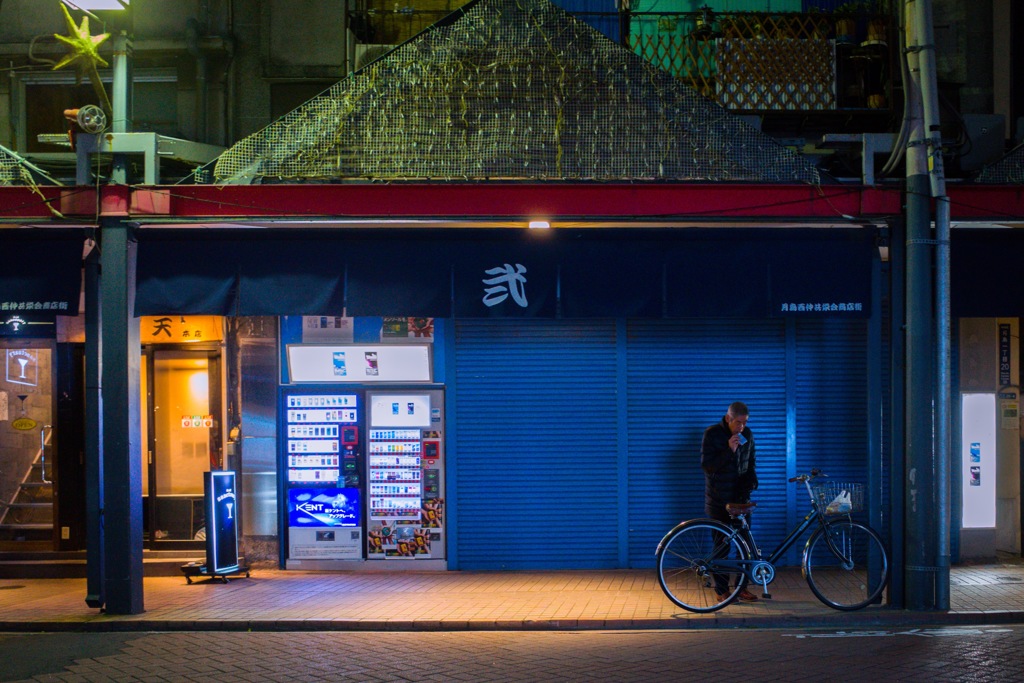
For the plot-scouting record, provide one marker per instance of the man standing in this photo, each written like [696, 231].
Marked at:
[727, 456]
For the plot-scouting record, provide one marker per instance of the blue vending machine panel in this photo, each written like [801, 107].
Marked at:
[322, 464]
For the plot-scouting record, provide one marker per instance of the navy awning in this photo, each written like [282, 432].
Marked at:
[216, 274]
[41, 270]
[985, 279]
[474, 273]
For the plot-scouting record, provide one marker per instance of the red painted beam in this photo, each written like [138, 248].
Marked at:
[494, 200]
[17, 202]
[986, 202]
[517, 201]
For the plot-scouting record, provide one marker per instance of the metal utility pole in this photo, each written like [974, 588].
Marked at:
[928, 369]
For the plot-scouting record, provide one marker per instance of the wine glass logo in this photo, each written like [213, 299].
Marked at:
[21, 367]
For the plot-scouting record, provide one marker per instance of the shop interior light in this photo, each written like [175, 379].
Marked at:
[539, 225]
[97, 4]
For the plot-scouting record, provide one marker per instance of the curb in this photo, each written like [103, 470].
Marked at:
[867, 620]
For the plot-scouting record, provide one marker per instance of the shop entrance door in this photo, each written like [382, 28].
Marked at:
[27, 455]
[181, 403]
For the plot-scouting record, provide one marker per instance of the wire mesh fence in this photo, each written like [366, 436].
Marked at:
[511, 89]
[12, 172]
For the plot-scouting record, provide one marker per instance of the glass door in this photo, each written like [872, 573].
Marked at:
[27, 446]
[181, 405]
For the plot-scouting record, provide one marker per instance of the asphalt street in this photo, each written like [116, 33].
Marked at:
[965, 653]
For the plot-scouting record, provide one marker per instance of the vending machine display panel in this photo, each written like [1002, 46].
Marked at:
[405, 500]
[323, 500]
[314, 423]
[324, 508]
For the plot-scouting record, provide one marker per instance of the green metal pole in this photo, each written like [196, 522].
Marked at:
[121, 421]
[920, 537]
[95, 576]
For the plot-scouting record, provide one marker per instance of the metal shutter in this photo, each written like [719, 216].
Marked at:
[535, 431]
[682, 375]
[831, 399]
[831, 402]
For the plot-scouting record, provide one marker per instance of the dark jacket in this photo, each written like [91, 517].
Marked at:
[728, 477]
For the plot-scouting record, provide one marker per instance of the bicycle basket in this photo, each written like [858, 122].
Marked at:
[837, 498]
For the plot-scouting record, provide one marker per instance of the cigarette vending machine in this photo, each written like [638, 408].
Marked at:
[321, 448]
[405, 475]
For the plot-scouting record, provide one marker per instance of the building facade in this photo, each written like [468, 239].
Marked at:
[569, 371]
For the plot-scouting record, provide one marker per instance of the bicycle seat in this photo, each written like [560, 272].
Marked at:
[737, 509]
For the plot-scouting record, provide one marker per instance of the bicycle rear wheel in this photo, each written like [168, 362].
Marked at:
[853, 579]
[686, 558]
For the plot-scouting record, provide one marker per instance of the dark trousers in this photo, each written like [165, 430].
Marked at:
[717, 511]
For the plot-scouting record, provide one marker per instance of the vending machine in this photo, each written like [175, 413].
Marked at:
[321, 450]
[405, 517]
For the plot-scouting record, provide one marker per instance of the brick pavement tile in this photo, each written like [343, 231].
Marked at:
[495, 600]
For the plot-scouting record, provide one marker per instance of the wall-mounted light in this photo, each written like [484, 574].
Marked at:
[539, 225]
[97, 4]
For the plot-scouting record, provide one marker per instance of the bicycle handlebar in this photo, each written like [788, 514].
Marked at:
[815, 473]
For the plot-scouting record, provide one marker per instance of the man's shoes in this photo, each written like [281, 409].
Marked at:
[743, 596]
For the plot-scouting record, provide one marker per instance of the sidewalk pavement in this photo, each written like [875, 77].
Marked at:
[275, 600]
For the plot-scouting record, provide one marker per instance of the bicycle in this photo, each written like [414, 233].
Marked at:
[844, 562]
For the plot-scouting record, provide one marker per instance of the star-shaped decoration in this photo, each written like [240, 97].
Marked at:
[83, 54]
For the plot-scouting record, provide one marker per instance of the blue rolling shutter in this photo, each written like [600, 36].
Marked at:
[535, 428]
[832, 405]
[831, 400]
[682, 375]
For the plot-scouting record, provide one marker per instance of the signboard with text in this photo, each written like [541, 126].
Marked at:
[180, 329]
[221, 522]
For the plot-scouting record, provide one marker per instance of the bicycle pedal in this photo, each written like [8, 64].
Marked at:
[766, 596]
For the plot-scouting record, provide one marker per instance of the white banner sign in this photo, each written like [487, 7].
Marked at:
[359, 363]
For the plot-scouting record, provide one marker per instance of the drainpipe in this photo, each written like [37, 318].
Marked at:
[937, 185]
[121, 121]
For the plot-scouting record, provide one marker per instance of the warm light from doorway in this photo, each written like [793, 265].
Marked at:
[199, 386]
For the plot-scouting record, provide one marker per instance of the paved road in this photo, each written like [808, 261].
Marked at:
[984, 653]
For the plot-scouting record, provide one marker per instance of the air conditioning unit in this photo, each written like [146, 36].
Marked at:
[369, 52]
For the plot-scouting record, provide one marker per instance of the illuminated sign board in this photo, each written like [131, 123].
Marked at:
[359, 363]
[323, 508]
[221, 523]
[22, 367]
[180, 329]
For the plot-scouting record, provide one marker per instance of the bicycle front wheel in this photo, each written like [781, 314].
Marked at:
[845, 565]
[686, 565]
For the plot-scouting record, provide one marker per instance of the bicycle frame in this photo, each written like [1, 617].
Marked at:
[747, 566]
[744, 532]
